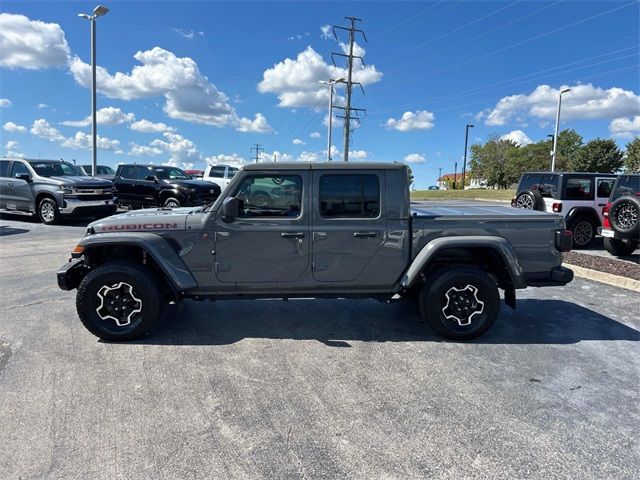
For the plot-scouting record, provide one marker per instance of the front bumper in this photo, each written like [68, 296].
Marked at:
[73, 206]
[71, 274]
[557, 276]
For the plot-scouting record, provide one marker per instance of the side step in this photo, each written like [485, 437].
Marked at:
[17, 212]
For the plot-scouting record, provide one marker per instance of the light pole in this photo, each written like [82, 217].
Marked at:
[555, 135]
[331, 82]
[464, 165]
[99, 11]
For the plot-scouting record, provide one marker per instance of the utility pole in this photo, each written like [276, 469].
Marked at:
[439, 182]
[455, 175]
[555, 135]
[331, 83]
[258, 150]
[349, 82]
[275, 159]
[466, 139]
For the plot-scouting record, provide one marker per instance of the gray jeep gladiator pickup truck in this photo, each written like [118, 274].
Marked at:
[323, 230]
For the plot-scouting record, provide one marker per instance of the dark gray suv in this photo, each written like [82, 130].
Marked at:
[53, 189]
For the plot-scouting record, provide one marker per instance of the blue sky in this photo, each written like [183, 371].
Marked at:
[192, 82]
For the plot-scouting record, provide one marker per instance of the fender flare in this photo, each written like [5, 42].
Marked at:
[586, 211]
[178, 275]
[498, 244]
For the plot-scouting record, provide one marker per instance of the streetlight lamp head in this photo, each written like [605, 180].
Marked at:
[339, 80]
[100, 11]
[469, 125]
[565, 90]
[84, 15]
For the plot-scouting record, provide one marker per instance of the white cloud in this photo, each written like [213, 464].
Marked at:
[14, 128]
[143, 150]
[625, 127]
[14, 154]
[420, 120]
[415, 158]
[315, 135]
[42, 105]
[188, 34]
[325, 32]
[358, 155]
[84, 141]
[257, 125]
[518, 137]
[146, 126]
[582, 102]
[312, 156]
[104, 116]
[188, 94]
[298, 141]
[295, 37]
[43, 129]
[5, 103]
[31, 44]
[295, 81]
[358, 51]
[232, 159]
[183, 152]
[12, 144]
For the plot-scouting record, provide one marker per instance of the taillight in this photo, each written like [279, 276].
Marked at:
[564, 240]
[605, 215]
[557, 207]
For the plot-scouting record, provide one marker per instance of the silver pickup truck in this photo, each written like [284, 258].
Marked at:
[333, 230]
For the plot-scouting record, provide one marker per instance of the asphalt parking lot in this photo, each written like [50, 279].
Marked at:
[309, 389]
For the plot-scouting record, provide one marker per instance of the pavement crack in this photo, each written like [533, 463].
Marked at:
[13, 307]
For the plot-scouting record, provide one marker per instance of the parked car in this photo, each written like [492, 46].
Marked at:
[104, 171]
[195, 174]
[161, 186]
[220, 174]
[579, 197]
[345, 230]
[53, 189]
[434, 187]
[621, 225]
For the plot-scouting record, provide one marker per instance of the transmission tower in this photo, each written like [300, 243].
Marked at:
[348, 82]
[258, 150]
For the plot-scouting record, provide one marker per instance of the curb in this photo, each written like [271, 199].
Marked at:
[602, 277]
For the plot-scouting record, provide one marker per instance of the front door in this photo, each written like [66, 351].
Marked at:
[21, 190]
[269, 240]
[348, 226]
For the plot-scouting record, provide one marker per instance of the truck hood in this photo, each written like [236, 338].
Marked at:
[80, 181]
[147, 220]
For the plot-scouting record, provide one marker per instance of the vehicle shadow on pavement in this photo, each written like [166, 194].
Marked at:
[336, 322]
[5, 230]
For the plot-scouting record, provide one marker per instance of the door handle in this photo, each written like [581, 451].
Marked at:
[10, 184]
[365, 234]
[292, 235]
[601, 204]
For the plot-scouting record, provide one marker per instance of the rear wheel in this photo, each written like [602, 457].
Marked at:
[48, 211]
[120, 301]
[584, 231]
[172, 203]
[619, 248]
[461, 303]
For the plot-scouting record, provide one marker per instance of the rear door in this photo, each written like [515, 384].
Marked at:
[125, 183]
[348, 224]
[5, 179]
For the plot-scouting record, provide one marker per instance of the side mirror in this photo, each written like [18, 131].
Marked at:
[23, 176]
[230, 209]
[151, 178]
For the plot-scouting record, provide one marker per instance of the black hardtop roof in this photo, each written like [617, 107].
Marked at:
[572, 173]
[324, 166]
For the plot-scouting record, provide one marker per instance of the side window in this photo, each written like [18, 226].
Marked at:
[143, 172]
[217, 172]
[604, 186]
[19, 168]
[4, 168]
[232, 172]
[128, 172]
[270, 196]
[579, 189]
[349, 196]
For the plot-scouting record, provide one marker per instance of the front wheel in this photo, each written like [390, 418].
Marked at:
[120, 301]
[172, 203]
[48, 211]
[461, 303]
[618, 248]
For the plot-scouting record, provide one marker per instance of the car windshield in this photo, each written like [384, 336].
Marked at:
[171, 173]
[547, 185]
[56, 169]
[626, 185]
[233, 171]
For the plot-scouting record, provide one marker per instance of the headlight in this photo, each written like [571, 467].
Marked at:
[68, 189]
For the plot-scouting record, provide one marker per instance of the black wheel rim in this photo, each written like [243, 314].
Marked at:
[583, 233]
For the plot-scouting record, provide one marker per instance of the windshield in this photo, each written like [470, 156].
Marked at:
[547, 185]
[102, 169]
[56, 169]
[626, 186]
[170, 173]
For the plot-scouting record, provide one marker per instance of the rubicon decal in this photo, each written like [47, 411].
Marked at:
[139, 226]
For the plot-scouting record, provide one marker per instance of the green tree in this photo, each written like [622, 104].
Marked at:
[569, 144]
[493, 161]
[598, 155]
[632, 156]
[410, 174]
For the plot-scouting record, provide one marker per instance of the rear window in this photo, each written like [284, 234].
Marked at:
[349, 196]
[626, 185]
[546, 184]
[217, 172]
[4, 168]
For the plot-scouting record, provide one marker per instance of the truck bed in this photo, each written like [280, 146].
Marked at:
[488, 212]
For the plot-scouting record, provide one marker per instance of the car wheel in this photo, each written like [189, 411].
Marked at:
[48, 211]
[624, 216]
[529, 200]
[172, 203]
[120, 301]
[584, 231]
[460, 303]
[619, 248]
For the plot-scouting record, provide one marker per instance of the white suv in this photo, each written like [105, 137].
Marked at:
[220, 174]
[578, 196]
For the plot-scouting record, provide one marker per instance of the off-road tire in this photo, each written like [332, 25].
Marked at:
[436, 302]
[145, 286]
[171, 202]
[624, 216]
[580, 228]
[529, 200]
[619, 248]
[48, 211]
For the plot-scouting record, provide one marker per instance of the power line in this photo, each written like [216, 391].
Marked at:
[421, 12]
[258, 149]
